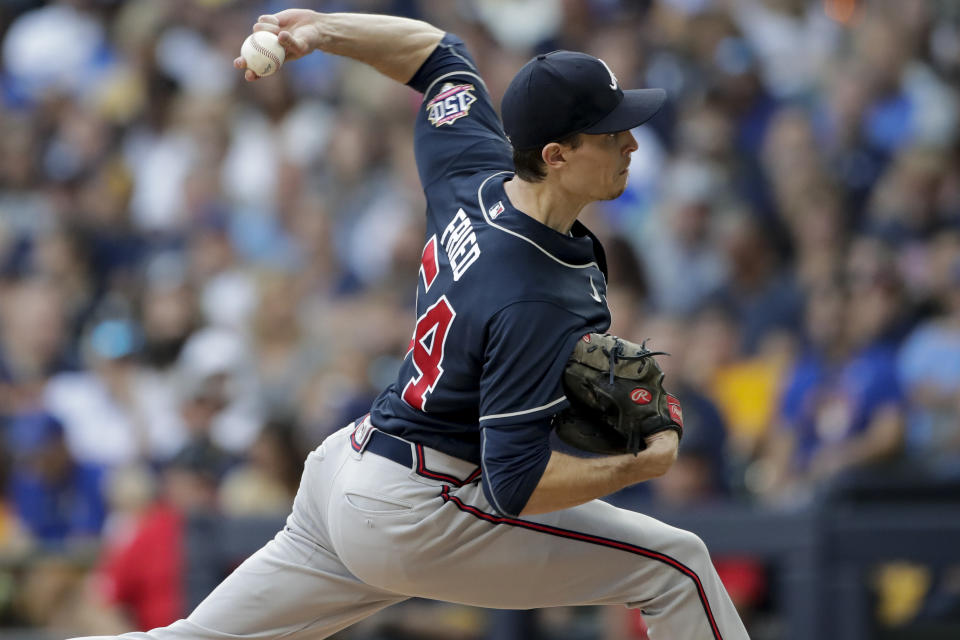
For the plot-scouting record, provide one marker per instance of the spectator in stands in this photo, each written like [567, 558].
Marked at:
[15, 539]
[743, 388]
[627, 292]
[168, 314]
[791, 160]
[818, 235]
[794, 40]
[200, 406]
[225, 286]
[930, 369]
[761, 295]
[679, 248]
[60, 501]
[286, 356]
[906, 205]
[699, 475]
[217, 390]
[842, 408]
[909, 105]
[34, 343]
[111, 413]
[141, 575]
[266, 480]
[852, 161]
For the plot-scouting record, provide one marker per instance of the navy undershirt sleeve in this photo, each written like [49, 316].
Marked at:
[527, 347]
[514, 458]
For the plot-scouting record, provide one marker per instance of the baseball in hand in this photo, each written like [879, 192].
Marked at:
[263, 53]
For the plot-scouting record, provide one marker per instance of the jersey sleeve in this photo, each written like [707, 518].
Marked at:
[513, 459]
[527, 347]
[457, 129]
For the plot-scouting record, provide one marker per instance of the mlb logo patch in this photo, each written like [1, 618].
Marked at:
[452, 103]
[495, 210]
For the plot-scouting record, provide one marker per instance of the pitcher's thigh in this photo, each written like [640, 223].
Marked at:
[291, 588]
[591, 554]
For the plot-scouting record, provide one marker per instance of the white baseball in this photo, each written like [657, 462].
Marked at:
[263, 52]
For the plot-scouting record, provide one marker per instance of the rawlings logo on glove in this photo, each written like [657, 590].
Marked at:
[616, 394]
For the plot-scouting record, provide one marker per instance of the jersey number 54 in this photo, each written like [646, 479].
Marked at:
[429, 339]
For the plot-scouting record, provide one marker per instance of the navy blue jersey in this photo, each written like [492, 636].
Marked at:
[501, 298]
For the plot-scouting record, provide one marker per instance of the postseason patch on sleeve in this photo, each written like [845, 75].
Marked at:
[452, 103]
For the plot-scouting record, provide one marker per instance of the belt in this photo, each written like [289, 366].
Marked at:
[424, 461]
[391, 448]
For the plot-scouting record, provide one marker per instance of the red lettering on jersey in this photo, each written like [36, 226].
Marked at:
[640, 396]
[430, 337]
[429, 267]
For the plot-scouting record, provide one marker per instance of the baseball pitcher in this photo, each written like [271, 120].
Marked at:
[448, 489]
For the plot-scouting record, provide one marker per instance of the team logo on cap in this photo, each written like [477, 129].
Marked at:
[613, 79]
[452, 103]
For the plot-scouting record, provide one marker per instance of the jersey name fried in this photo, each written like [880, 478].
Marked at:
[460, 243]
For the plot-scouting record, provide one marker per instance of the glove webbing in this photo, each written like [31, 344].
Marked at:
[617, 353]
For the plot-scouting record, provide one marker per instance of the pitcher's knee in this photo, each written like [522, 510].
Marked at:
[690, 548]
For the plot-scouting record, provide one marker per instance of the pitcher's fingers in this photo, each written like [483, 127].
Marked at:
[239, 63]
[272, 19]
[288, 41]
[266, 26]
[250, 76]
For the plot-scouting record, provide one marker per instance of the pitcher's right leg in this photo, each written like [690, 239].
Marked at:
[294, 587]
[286, 589]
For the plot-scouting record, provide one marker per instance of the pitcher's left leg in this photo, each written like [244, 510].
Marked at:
[591, 554]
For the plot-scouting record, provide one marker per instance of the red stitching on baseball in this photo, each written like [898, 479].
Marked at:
[266, 52]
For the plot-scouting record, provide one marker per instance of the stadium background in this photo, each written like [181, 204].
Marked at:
[200, 278]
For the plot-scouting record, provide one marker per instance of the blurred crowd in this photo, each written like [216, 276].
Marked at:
[200, 277]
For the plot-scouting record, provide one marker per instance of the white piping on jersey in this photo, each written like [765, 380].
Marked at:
[483, 210]
[454, 73]
[525, 411]
[453, 50]
[483, 468]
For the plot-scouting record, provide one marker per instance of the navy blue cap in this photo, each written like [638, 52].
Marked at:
[561, 93]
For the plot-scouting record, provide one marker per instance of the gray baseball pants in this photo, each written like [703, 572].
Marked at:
[366, 533]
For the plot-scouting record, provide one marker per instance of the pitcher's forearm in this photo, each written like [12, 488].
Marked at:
[396, 47]
[569, 481]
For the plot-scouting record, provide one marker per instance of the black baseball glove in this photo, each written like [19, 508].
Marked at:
[616, 394]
